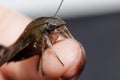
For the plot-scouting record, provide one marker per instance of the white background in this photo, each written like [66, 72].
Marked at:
[70, 8]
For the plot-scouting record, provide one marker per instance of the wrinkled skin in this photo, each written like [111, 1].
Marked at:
[36, 57]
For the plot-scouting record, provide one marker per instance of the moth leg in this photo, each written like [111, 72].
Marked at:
[51, 47]
[40, 57]
[67, 33]
[40, 66]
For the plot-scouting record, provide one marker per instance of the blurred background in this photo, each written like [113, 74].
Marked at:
[95, 23]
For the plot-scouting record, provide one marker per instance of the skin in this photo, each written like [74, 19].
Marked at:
[11, 27]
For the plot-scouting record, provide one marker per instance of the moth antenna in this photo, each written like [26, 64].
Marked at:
[58, 8]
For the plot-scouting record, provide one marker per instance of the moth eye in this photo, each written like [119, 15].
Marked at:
[51, 27]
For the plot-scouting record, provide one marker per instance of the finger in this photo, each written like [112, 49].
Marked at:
[70, 53]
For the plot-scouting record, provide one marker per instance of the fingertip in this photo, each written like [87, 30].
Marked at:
[78, 65]
[69, 52]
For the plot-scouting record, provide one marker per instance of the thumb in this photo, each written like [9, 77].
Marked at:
[70, 53]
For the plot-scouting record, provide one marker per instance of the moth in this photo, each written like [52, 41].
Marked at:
[38, 35]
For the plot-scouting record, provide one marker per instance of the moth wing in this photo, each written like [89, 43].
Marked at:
[9, 54]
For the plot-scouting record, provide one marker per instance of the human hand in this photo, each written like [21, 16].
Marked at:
[70, 52]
